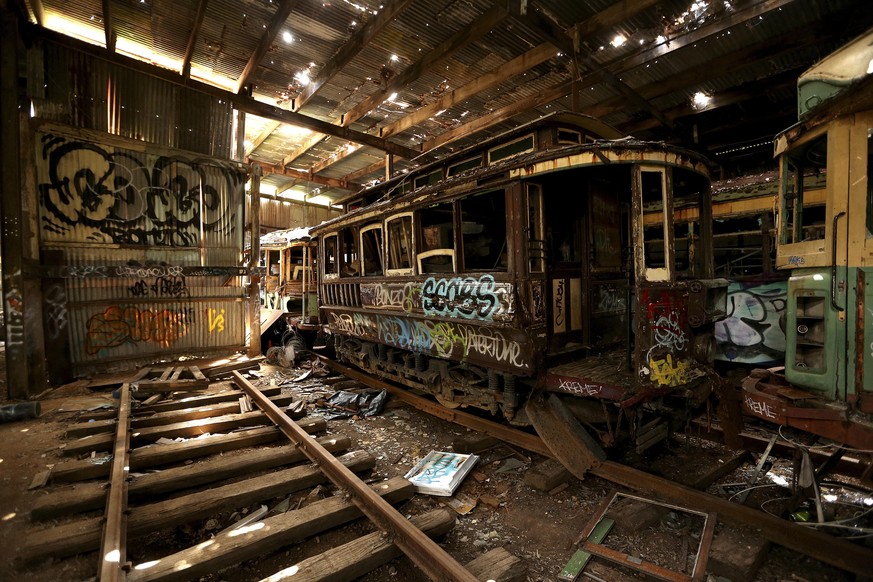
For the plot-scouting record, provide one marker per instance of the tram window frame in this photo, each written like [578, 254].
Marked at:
[395, 250]
[436, 240]
[648, 241]
[330, 255]
[536, 229]
[348, 253]
[477, 236]
[366, 247]
[796, 168]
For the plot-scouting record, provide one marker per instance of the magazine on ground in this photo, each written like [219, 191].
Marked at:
[440, 473]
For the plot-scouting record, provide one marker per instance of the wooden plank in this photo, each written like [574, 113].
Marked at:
[155, 456]
[171, 385]
[177, 373]
[113, 548]
[166, 374]
[191, 428]
[213, 372]
[498, 565]
[280, 531]
[161, 418]
[581, 558]
[195, 371]
[363, 555]
[90, 496]
[84, 535]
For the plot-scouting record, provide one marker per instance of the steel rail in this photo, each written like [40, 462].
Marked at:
[434, 561]
[113, 549]
[834, 551]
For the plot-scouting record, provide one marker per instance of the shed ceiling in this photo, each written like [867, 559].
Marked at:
[434, 76]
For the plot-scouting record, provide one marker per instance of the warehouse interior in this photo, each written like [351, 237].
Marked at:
[151, 147]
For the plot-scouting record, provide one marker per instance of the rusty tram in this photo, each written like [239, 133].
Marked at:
[825, 242]
[528, 264]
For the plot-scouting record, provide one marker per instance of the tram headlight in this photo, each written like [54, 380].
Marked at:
[703, 348]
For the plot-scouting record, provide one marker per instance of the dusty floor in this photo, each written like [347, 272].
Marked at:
[538, 527]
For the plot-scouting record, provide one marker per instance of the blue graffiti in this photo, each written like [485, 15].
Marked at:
[460, 297]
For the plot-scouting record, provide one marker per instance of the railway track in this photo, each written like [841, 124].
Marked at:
[202, 477]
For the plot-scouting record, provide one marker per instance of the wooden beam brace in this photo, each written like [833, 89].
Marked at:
[285, 8]
[192, 38]
[424, 552]
[343, 152]
[374, 167]
[340, 183]
[113, 549]
[108, 28]
[310, 143]
[241, 102]
[612, 16]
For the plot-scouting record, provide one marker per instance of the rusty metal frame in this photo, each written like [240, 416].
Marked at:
[434, 561]
[650, 568]
[113, 549]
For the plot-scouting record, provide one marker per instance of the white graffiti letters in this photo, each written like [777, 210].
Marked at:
[759, 408]
[460, 297]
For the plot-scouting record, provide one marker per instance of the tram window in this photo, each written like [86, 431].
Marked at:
[371, 249]
[804, 208]
[349, 253]
[483, 222]
[536, 245]
[436, 251]
[400, 245]
[654, 233]
[331, 259]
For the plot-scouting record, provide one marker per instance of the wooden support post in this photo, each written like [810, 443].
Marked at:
[254, 258]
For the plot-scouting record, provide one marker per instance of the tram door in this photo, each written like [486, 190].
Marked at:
[565, 253]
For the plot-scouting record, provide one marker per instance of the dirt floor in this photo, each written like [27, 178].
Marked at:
[495, 507]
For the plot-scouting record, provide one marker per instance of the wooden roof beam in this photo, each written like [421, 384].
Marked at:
[108, 29]
[343, 152]
[310, 177]
[350, 49]
[375, 166]
[192, 38]
[444, 50]
[285, 8]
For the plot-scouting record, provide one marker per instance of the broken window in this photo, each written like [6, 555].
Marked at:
[483, 225]
[399, 244]
[331, 256]
[437, 243]
[371, 250]
[653, 182]
[804, 204]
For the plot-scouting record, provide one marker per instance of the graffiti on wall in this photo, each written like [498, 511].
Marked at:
[116, 326]
[440, 338]
[752, 332]
[666, 361]
[91, 193]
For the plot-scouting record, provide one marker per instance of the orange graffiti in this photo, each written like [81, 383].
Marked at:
[116, 326]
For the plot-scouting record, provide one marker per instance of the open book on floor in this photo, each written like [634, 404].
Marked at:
[440, 473]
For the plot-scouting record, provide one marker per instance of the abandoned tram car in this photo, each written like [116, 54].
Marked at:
[530, 262]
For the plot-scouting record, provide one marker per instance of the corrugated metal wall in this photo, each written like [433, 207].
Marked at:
[277, 214]
[141, 235]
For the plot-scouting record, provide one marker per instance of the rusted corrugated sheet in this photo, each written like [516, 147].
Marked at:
[281, 214]
[91, 93]
[141, 246]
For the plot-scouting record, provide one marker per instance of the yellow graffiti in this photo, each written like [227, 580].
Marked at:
[216, 320]
[666, 372]
[118, 325]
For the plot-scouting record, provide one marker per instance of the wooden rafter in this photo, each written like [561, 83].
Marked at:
[342, 57]
[343, 152]
[192, 38]
[612, 16]
[310, 143]
[357, 174]
[492, 78]
[444, 50]
[108, 28]
[286, 7]
[339, 183]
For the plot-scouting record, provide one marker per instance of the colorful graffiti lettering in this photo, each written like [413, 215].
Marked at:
[119, 325]
[668, 372]
[795, 260]
[667, 334]
[460, 297]
[91, 193]
[216, 320]
[752, 332]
